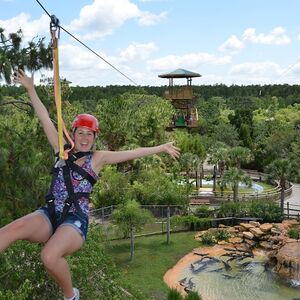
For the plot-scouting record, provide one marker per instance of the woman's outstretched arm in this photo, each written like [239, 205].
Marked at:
[39, 108]
[102, 158]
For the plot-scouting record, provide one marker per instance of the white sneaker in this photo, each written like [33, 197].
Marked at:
[76, 295]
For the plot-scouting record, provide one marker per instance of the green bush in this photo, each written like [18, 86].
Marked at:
[24, 277]
[191, 222]
[203, 211]
[294, 233]
[193, 296]
[268, 211]
[208, 239]
[222, 235]
[232, 209]
[175, 295]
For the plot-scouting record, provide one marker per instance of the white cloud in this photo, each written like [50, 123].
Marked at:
[256, 71]
[30, 29]
[147, 18]
[103, 17]
[233, 44]
[80, 59]
[191, 60]
[276, 37]
[137, 51]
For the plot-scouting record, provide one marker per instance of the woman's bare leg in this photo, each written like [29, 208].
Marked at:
[33, 227]
[63, 242]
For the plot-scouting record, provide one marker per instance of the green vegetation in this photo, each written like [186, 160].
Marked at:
[153, 257]
[267, 211]
[255, 127]
[24, 277]
[294, 233]
[175, 295]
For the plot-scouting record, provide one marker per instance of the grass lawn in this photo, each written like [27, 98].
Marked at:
[153, 257]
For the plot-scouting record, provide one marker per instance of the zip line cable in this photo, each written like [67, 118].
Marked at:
[86, 46]
[288, 69]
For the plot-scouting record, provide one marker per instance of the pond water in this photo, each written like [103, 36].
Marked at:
[247, 279]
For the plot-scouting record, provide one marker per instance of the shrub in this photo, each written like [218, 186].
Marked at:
[191, 222]
[208, 239]
[222, 235]
[193, 296]
[203, 211]
[232, 209]
[268, 211]
[174, 295]
[294, 233]
[24, 277]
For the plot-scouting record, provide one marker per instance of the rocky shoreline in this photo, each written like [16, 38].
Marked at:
[246, 240]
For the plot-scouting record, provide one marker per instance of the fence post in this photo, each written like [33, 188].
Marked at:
[162, 219]
[288, 209]
[168, 225]
[102, 214]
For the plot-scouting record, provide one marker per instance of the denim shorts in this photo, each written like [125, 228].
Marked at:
[79, 223]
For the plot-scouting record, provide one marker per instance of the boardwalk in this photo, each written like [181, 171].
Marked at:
[294, 199]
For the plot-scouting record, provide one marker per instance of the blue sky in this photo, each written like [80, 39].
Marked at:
[226, 41]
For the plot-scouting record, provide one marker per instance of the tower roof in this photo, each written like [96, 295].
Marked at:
[180, 73]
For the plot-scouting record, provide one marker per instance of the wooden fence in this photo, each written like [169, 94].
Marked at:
[292, 211]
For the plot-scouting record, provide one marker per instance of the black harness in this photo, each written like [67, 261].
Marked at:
[68, 167]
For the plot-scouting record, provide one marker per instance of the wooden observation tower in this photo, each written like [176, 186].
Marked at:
[182, 99]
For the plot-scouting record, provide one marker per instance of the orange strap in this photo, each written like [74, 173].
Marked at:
[61, 128]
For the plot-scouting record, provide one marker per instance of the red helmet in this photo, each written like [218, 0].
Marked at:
[86, 120]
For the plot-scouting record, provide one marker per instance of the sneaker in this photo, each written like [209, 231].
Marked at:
[76, 295]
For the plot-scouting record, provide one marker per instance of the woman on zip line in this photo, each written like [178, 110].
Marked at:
[62, 224]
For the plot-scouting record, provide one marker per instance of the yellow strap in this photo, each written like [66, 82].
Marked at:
[57, 94]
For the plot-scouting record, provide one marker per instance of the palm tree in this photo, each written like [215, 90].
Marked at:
[218, 156]
[233, 176]
[282, 170]
[238, 155]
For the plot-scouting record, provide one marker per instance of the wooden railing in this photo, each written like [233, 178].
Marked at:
[179, 93]
[292, 211]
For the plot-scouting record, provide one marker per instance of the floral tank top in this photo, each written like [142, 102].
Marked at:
[80, 185]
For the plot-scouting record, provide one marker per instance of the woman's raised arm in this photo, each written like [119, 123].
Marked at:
[102, 158]
[39, 108]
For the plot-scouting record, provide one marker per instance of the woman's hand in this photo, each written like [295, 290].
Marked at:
[22, 78]
[171, 150]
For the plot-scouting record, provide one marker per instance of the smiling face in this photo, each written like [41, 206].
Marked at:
[84, 139]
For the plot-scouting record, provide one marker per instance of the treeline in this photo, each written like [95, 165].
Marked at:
[233, 95]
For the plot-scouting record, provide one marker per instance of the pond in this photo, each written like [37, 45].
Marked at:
[247, 279]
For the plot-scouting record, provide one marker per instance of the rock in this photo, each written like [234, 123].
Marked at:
[266, 245]
[248, 235]
[213, 230]
[254, 223]
[266, 227]
[265, 237]
[240, 228]
[250, 243]
[288, 261]
[222, 243]
[256, 231]
[275, 230]
[235, 240]
[222, 226]
[231, 230]
[276, 239]
[247, 226]
[287, 224]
